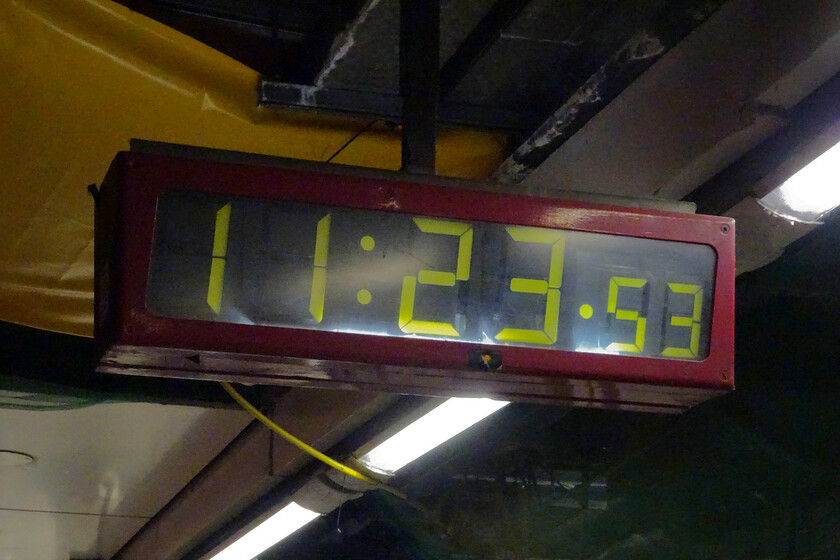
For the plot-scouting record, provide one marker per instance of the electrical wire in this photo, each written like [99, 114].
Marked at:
[292, 439]
[350, 141]
[303, 446]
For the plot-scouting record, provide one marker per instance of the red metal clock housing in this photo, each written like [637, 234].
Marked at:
[325, 276]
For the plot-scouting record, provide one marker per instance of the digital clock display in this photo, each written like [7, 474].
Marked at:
[267, 262]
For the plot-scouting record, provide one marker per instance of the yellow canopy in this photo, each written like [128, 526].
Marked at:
[82, 77]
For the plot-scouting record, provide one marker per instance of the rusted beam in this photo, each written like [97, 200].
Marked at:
[635, 56]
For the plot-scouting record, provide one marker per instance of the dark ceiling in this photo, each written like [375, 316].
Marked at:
[503, 63]
[746, 476]
[282, 39]
[751, 475]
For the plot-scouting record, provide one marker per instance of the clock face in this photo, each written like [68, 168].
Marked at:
[275, 263]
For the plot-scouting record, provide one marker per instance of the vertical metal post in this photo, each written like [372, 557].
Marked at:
[419, 82]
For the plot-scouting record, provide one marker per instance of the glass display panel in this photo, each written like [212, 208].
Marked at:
[276, 263]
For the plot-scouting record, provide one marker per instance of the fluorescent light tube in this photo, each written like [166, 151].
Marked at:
[444, 422]
[811, 193]
[268, 533]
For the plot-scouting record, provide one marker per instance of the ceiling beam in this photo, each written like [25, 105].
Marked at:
[810, 130]
[249, 468]
[488, 30]
[386, 106]
[635, 56]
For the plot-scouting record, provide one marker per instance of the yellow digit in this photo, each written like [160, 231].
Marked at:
[217, 265]
[551, 289]
[692, 322]
[319, 272]
[617, 282]
[407, 322]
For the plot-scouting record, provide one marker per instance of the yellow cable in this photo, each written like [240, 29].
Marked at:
[304, 446]
[292, 439]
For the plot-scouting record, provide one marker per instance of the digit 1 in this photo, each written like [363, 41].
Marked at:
[319, 272]
[407, 322]
[217, 265]
[692, 322]
[617, 282]
[551, 289]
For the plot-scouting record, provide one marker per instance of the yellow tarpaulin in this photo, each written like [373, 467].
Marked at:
[82, 77]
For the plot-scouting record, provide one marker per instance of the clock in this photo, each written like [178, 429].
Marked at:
[339, 277]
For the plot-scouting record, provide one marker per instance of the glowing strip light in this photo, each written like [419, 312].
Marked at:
[268, 533]
[441, 424]
[418, 438]
[811, 193]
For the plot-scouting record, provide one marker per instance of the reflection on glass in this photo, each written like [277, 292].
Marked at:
[264, 262]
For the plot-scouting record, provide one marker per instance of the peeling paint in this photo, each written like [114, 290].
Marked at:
[556, 126]
[634, 542]
[344, 42]
[539, 40]
[510, 171]
[570, 218]
[308, 95]
[643, 46]
[636, 55]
